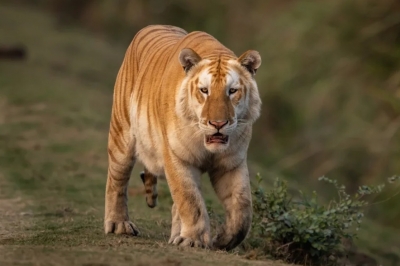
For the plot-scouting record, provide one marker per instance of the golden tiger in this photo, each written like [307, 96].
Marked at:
[183, 105]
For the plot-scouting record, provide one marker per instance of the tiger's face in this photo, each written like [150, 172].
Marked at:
[218, 95]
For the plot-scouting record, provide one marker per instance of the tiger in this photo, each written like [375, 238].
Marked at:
[183, 105]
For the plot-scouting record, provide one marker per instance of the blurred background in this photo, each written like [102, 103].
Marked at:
[329, 81]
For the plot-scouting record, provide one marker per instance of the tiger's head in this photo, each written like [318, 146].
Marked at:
[219, 95]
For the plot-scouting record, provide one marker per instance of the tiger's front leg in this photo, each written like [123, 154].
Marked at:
[121, 160]
[190, 221]
[233, 190]
[175, 224]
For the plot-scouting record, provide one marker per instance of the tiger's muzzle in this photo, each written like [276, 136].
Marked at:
[217, 137]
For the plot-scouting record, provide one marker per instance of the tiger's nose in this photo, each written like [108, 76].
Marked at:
[218, 124]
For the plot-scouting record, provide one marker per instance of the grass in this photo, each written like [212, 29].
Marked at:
[54, 116]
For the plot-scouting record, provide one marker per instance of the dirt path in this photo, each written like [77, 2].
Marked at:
[10, 217]
[13, 220]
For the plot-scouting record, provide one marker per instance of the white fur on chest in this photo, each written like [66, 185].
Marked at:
[187, 144]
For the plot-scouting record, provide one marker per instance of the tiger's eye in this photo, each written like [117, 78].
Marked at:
[232, 91]
[204, 90]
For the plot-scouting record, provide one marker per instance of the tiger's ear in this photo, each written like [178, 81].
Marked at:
[251, 60]
[188, 58]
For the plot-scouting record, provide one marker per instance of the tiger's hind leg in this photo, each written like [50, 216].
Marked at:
[121, 160]
[150, 186]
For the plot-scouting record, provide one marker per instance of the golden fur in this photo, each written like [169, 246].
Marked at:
[183, 105]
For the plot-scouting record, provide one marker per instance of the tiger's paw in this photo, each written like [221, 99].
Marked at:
[229, 239]
[121, 227]
[188, 242]
[199, 240]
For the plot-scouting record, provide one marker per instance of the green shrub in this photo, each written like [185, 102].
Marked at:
[304, 230]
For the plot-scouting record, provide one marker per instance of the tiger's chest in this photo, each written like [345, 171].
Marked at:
[183, 141]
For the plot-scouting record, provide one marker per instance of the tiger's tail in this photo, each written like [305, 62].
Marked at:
[150, 187]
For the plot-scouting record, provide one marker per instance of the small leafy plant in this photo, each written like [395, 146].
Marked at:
[304, 230]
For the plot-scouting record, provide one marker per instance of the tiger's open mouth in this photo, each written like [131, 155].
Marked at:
[217, 138]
